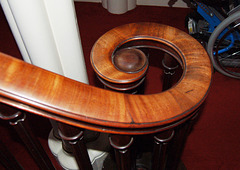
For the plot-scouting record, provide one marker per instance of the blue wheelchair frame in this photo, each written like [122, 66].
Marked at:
[213, 22]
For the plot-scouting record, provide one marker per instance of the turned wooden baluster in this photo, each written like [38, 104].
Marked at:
[122, 148]
[130, 61]
[178, 142]
[163, 140]
[170, 65]
[18, 121]
[161, 144]
[74, 142]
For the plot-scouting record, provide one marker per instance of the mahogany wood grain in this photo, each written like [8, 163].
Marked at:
[47, 94]
[161, 144]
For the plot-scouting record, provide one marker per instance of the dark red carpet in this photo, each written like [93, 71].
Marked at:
[215, 140]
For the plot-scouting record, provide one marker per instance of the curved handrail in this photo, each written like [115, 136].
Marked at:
[41, 92]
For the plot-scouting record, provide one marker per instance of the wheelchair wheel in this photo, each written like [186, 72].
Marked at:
[224, 46]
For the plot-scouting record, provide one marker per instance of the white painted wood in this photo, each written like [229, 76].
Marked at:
[17, 36]
[132, 4]
[67, 40]
[119, 7]
[47, 35]
[32, 22]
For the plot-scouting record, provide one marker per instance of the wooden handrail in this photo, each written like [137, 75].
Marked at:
[50, 95]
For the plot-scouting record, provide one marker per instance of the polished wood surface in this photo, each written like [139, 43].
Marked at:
[41, 92]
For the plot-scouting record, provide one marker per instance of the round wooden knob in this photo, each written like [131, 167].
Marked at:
[130, 60]
[124, 70]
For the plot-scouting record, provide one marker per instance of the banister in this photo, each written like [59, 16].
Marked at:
[41, 92]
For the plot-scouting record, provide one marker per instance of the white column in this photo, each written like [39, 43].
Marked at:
[33, 25]
[63, 23]
[11, 21]
[131, 4]
[47, 34]
[119, 6]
